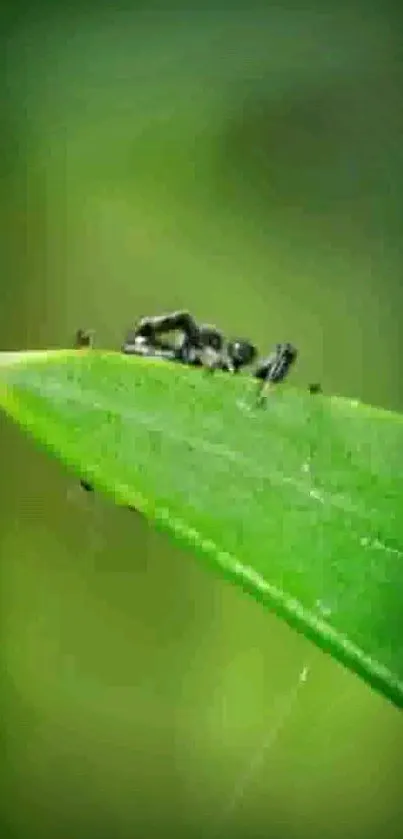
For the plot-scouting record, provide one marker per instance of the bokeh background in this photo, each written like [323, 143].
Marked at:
[244, 161]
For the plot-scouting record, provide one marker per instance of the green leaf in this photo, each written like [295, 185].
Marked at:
[300, 503]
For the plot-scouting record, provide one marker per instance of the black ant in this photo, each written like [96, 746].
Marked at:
[205, 346]
[202, 345]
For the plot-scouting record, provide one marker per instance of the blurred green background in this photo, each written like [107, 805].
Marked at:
[245, 163]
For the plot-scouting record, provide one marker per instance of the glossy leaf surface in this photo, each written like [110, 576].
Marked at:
[300, 503]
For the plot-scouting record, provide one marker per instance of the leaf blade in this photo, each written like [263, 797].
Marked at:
[298, 504]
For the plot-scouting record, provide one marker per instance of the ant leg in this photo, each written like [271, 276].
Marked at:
[212, 354]
[264, 375]
[265, 386]
[211, 360]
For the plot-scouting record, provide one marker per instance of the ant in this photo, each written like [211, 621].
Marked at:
[201, 345]
[205, 346]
